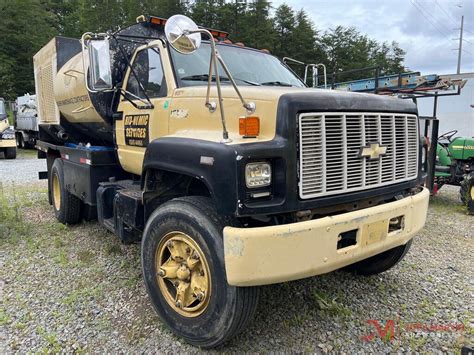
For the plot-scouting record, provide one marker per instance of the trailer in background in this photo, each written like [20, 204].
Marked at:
[7, 135]
[26, 121]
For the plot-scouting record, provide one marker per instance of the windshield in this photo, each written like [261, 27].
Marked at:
[247, 66]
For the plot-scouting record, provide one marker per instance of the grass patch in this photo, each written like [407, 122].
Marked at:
[26, 153]
[113, 249]
[445, 204]
[298, 319]
[85, 256]
[82, 294]
[4, 318]
[53, 344]
[12, 223]
[61, 258]
[329, 304]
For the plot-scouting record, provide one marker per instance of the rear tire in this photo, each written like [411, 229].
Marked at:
[222, 311]
[67, 207]
[380, 262]
[10, 153]
[20, 142]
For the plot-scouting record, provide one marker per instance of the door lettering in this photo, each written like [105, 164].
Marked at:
[136, 130]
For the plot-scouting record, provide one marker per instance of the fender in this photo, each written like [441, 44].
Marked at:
[212, 163]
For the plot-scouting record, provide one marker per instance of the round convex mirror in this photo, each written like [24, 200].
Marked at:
[178, 31]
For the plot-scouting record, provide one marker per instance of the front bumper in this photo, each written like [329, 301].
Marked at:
[266, 255]
[7, 143]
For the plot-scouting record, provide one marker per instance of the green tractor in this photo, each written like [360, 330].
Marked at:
[455, 165]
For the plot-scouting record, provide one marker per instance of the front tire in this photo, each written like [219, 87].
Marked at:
[184, 273]
[380, 262]
[67, 207]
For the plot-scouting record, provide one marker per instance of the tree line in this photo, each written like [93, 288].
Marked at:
[27, 25]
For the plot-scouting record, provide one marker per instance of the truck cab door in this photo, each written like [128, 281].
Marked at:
[144, 83]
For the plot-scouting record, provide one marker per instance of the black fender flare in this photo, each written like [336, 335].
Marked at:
[212, 163]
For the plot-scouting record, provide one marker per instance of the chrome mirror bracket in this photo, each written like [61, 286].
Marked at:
[212, 106]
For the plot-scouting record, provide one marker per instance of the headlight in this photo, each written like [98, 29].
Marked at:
[258, 174]
[8, 136]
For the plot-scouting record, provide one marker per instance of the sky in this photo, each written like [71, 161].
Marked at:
[427, 30]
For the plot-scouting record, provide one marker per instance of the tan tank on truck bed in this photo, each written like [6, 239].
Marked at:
[63, 96]
[228, 168]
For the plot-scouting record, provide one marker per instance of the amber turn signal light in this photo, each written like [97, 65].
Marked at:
[157, 20]
[249, 126]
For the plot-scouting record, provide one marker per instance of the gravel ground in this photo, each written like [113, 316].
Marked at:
[78, 289]
[23, 169]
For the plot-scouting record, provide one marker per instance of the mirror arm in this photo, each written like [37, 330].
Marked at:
[214, 61]
[124, 93]
[208, 104]
[129, 65]
[249, 106]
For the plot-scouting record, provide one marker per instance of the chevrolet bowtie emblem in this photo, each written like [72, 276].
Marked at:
[373, 151]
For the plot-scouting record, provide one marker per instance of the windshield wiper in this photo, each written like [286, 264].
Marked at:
[248, 82]
[276, 83]
[205, 77]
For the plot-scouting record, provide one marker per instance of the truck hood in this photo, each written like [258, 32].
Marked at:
[273, 93]
[274, 106]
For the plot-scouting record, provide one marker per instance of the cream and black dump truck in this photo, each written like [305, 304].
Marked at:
[7, 135]
[231, 172]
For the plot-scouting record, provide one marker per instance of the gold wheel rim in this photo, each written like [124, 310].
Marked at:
[183, 274]
[56, 192]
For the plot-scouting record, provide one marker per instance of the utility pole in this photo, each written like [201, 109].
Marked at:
[460, 45]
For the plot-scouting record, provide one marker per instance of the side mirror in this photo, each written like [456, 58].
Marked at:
[99, 65]
[182, 34]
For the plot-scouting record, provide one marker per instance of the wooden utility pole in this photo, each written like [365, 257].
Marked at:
[460, 45]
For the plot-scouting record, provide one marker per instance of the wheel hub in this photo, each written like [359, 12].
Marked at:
[56, 192]
[183, 274]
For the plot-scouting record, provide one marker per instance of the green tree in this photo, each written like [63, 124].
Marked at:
[205, 13]
[66, 15]
[348, 49]
[284, 25]
[160, 8]
[25, 27]
[305, 43]
[256, 26]
[389, 58]
[100, 15]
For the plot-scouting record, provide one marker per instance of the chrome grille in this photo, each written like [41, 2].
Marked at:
[330, 145]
